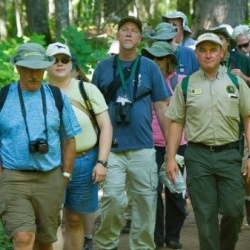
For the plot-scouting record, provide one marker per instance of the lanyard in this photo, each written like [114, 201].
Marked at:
[124, 83]
[24, 110]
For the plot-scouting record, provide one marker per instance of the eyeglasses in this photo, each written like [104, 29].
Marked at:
[124, 31]
[64, 60]
[244, 45]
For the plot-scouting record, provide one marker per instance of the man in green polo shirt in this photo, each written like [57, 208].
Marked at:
[211, 116]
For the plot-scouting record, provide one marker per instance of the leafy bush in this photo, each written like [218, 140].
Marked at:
[88, 51]
[5, 243]
[7, 50]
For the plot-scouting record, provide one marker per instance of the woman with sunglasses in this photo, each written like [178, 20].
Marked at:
[81, 196]
[175, 205]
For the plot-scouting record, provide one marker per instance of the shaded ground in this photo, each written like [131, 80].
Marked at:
[189, 236]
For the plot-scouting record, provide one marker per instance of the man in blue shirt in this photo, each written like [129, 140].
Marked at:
[37, 153]
[132, 84]
[180, 21]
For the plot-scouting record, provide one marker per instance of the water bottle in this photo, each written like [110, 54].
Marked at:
[179, 185]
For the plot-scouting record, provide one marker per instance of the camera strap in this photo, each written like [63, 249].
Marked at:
[131, 76]
[20, 95]
[116, 82]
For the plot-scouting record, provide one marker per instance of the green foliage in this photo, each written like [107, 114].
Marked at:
[87, 51]
[5, 243]
[7, 50]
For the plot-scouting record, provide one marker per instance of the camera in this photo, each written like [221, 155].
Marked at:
[39, 146]
[123, 111]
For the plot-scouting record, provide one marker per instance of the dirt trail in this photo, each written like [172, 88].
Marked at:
[189, 236]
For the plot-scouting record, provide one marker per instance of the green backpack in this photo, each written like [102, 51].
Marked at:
[184, 84]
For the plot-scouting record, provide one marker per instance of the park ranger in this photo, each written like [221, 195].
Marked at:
[210, 108]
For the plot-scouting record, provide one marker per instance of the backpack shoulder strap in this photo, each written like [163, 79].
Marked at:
[234, 80]
[3, 95]
[58, 98]
[184, 86]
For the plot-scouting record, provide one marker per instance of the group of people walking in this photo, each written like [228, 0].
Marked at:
[177, 96]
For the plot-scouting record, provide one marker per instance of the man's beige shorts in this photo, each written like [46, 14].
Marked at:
[30, 201]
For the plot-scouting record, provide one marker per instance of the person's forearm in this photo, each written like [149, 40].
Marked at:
[246, 79]
[68, 154]
[160, 110]
[106, 134]
[174, 139]
[105, 144]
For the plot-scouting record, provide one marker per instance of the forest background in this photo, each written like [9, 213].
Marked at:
[89, 26]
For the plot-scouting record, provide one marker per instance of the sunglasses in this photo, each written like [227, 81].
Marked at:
[175, 24]
[244, 45]
[159, 58]
[64, 60]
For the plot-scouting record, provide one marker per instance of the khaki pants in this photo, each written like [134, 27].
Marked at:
[139, 169]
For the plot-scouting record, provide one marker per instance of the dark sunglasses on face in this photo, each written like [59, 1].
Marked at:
[64, 60]
[244, 45]
[159, 58]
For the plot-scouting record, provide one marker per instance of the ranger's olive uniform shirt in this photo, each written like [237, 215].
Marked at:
[213, 108]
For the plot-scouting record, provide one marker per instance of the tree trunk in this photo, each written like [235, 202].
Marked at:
[37, 17]
[184, 6]
[61, 16]
[3, 30]
[215, 12]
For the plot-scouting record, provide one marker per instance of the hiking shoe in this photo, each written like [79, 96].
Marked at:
[126, 228]
[158, 246]
[88, 244]
[174, 244]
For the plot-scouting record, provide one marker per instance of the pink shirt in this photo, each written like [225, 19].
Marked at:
[159, 140]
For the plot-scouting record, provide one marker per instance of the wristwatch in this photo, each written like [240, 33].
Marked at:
[67, 175]
[104, 163]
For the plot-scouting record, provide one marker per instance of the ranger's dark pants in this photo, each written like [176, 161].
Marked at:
[216, 186]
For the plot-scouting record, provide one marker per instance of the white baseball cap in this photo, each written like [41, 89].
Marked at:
[57, 48]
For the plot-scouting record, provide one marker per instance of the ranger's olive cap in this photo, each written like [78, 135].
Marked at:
[32, 55]
[210, 37]
[163, 32]
[178, 14]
